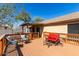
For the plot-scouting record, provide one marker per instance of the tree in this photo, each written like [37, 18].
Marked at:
[11, 25]
[37, 19]
[7, 14]
[23, 16]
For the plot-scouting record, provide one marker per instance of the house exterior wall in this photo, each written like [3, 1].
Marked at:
[56, 29]
[17, 30]
[5, 31]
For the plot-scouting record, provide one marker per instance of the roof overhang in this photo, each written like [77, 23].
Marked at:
[66, 19]
[31, 24]
[63, 22]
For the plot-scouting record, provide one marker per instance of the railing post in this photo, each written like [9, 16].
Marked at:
[1, 49]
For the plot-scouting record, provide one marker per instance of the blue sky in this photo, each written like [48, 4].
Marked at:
[48, 10]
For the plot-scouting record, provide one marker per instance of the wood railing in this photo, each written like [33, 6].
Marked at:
[31, 35]
[35, 34]
[3, 44]
[72, 39]
[18, 35]
[66, 38]
[3, 41]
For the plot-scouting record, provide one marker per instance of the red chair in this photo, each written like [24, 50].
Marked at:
[52, 38]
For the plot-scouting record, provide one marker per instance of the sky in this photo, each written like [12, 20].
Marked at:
[48, 10]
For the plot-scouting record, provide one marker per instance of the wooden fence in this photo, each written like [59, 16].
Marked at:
[3, 40]
[66, 38]
[3, 43]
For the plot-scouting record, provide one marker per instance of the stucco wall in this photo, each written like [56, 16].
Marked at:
[5, 31]
[56, 29]
[17, 30]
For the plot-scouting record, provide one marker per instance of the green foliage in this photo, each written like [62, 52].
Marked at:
[7, 13]
[23, 16]
[37, 19]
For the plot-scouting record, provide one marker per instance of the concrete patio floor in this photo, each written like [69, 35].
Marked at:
[36, 48]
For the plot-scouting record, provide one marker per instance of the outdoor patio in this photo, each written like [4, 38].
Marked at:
[22, 34]
[36, 48]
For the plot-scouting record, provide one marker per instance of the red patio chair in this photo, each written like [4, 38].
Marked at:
[52, 38]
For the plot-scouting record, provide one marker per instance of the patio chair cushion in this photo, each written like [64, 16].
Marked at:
[53, 37]
[24, 37]
[11, 40]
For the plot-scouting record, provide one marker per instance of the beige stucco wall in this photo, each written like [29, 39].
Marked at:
[5, 31]
[17, 30]
[56, 29]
